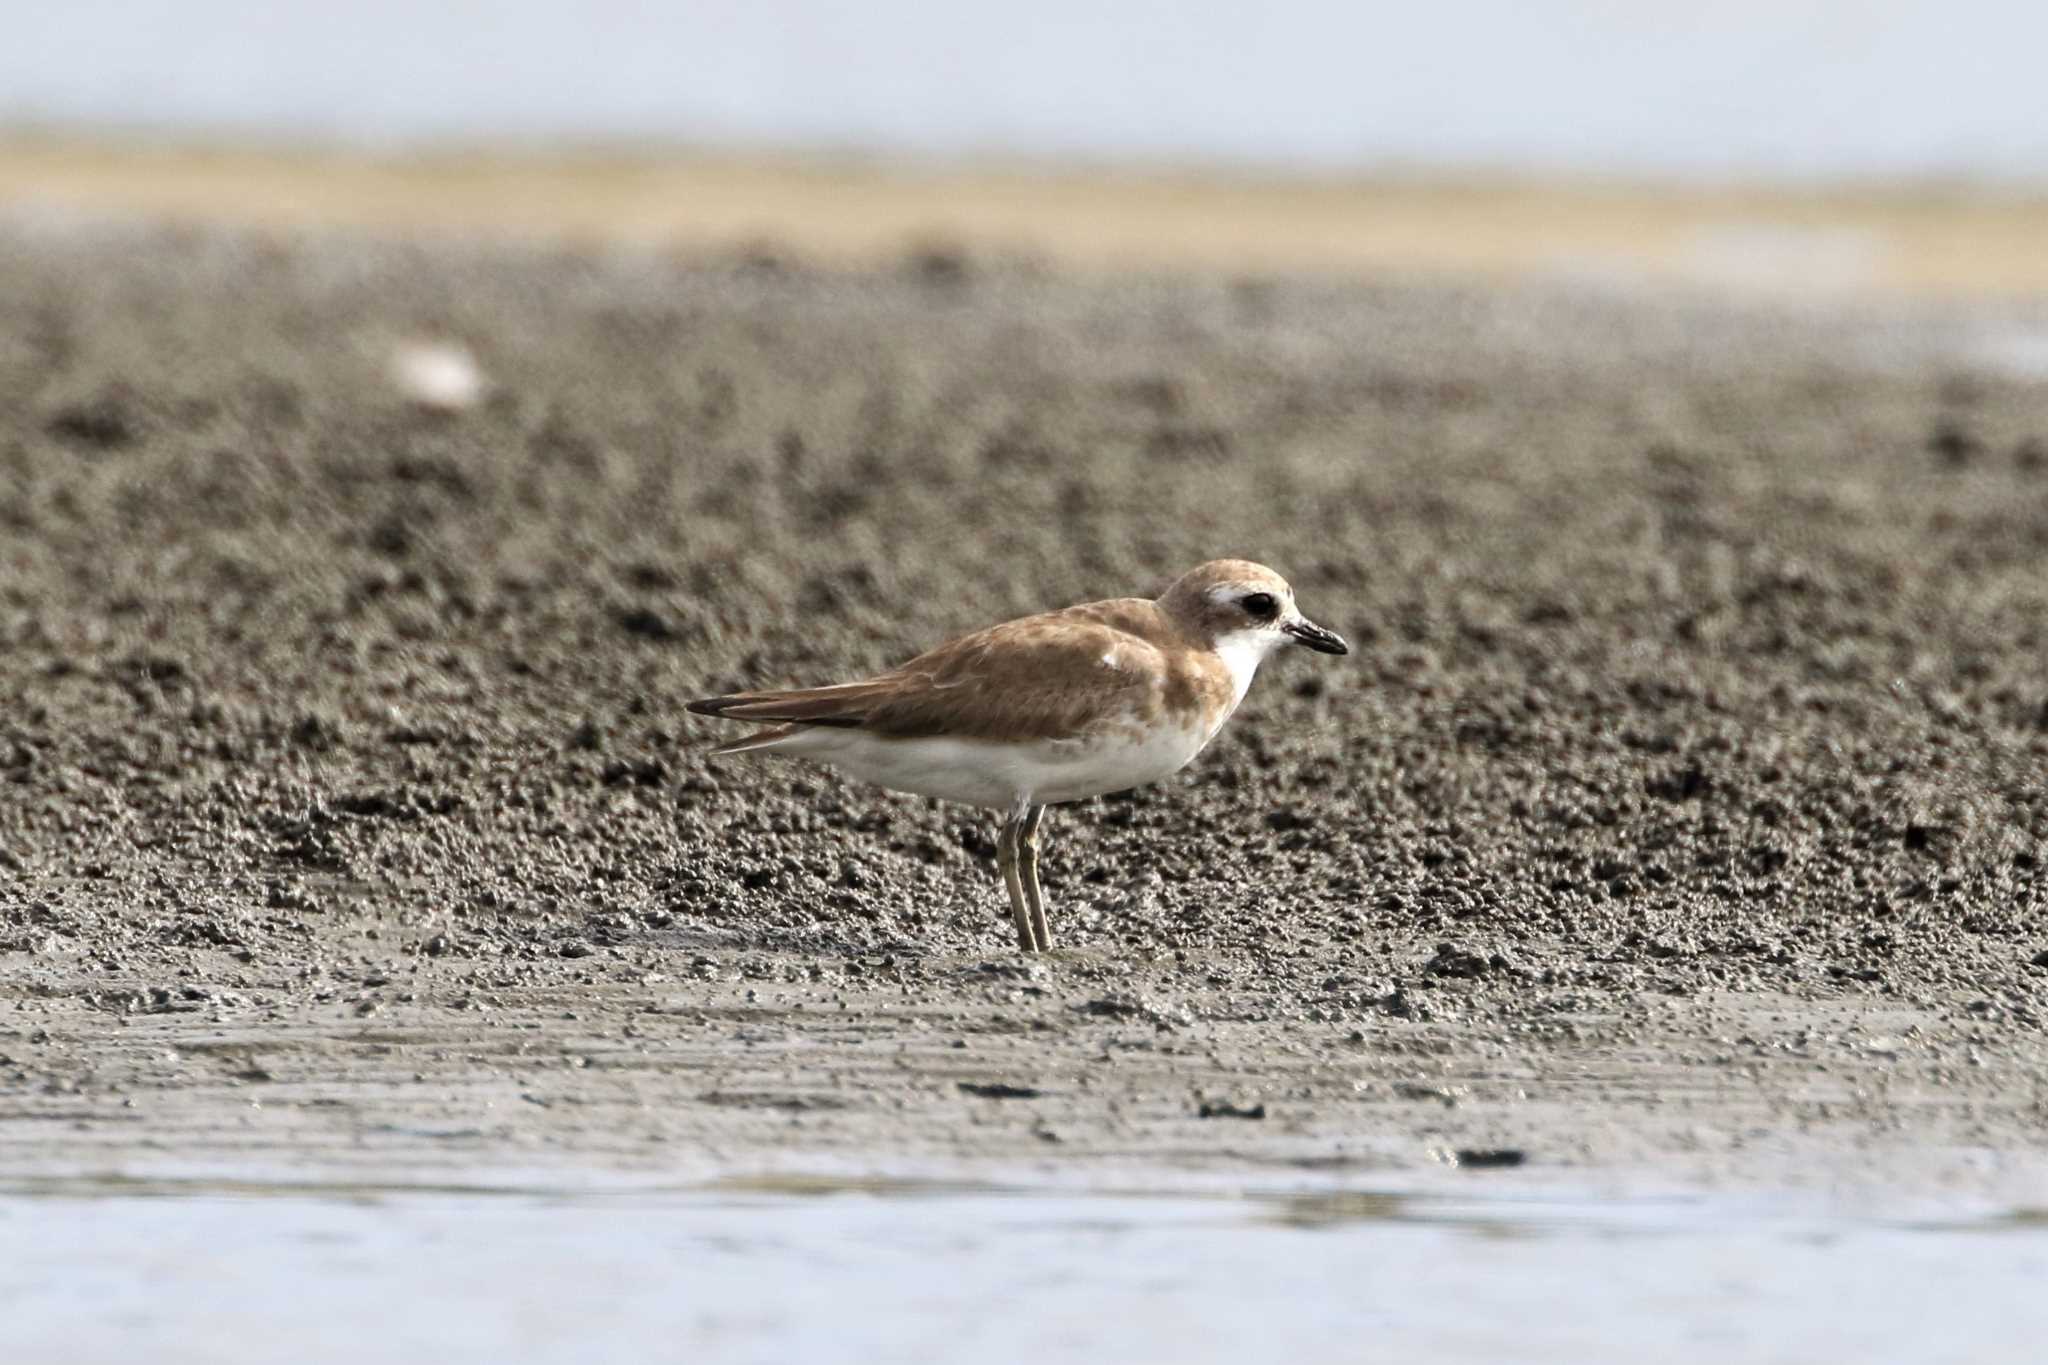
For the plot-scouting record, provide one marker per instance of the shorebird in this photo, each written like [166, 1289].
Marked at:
[1056, 707]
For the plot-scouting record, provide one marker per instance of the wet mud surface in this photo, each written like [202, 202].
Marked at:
[1681, 807]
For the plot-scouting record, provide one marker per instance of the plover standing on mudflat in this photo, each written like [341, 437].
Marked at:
[1056, 707]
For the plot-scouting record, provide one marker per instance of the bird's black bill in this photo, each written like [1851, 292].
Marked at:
[1316, 638]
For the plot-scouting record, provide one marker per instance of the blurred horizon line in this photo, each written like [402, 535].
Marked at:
[1927, 239]
[825, 155]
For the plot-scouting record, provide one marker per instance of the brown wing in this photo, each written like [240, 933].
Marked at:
[1054, 676]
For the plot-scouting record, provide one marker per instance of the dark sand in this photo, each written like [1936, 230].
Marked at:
[1681, 810]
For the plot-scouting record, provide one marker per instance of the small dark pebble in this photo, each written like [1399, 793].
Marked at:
[1490, 1158]
[647, 624]
[1220, 1109]
[998, 1091]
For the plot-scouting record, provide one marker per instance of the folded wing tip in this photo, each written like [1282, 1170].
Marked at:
[816, 707]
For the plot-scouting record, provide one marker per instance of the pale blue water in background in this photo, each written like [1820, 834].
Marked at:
[173, 1273]
[1781, 88]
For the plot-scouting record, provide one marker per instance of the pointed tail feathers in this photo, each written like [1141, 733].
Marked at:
[846, 706]
[786, 714]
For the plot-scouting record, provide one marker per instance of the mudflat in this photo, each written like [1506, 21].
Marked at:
[1681, 809]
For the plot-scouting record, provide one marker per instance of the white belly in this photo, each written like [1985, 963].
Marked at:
[979, 772]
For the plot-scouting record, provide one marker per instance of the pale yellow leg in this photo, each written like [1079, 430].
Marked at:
[1006, 858]
[1027, 849]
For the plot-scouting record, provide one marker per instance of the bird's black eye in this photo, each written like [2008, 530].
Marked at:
[1262, 605]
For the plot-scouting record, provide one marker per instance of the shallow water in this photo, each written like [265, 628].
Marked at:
[782, 1271]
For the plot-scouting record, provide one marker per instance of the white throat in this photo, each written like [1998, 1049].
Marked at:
[1242, 651]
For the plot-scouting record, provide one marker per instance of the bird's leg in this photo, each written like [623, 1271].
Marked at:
[1027, 848]
[1006, 858]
